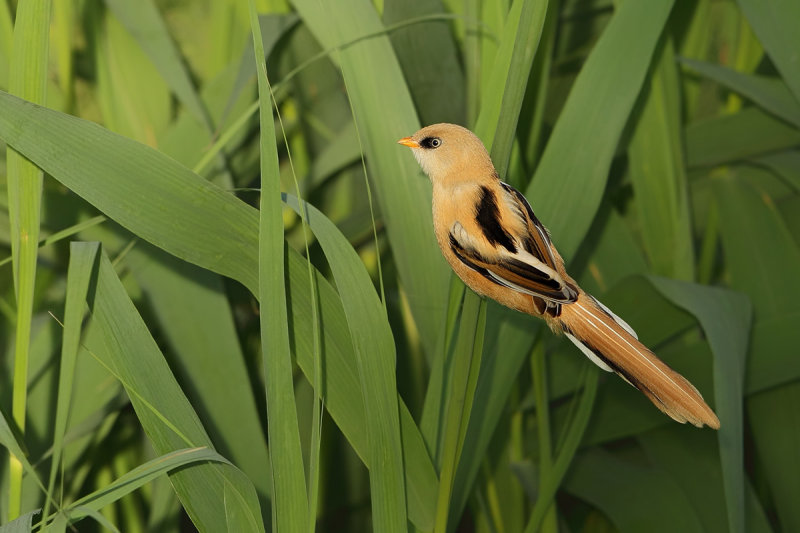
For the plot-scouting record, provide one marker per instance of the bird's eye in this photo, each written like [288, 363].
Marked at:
[431, 142]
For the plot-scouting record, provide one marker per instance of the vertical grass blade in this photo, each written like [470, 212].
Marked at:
[574, 435]
[375, 355]
[6, 40]
[465, 365]
[569, 183]
[500, 106]
[725, 317]
[543, 427]
[496, 125]
[657, 171]
[511, 334]
[82, 260]
[28, 79]
[763, 259]
[433, 409]
[290, 503]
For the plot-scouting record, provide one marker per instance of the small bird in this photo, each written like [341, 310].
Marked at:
[488, 233]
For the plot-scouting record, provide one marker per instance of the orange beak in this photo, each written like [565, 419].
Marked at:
[408, 141]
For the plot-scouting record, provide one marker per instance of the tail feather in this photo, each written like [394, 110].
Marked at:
[610, 343]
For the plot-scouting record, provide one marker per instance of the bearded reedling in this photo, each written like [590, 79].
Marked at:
[488, 233]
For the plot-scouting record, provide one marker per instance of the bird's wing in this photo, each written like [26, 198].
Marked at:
[518, 270]
[537, 240]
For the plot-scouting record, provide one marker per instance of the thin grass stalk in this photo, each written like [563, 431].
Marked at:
[539, 374]
[28, 79]
[474, 370]
[316, 379]
[549, 486]
[63, 33]
[462, 391]
[541, 76]
[526, 44]
[6, 29]
[319, 402]
[373, 344]
[79, 273]
[369, 190]
[431, 425]
[472, 61]
[490, 504]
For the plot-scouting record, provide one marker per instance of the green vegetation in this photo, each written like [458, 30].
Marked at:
[162, 322]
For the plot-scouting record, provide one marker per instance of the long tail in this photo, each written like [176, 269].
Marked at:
[611, 344]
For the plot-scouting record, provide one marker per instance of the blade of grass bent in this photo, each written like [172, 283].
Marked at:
[189, 303]
[750, 132]
[725, 317]
[568, 184]
[195, 318]
[77, 153]
[290, 503]
[28, 79]
[374, 348]
[785, 164]
[78, 277]
[130, 353]
[20, 525]
[771, 94]
[139, 476]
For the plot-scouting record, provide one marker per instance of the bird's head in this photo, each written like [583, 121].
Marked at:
[450, 154]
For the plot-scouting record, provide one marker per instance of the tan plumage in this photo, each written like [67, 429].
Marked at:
[490, 236]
